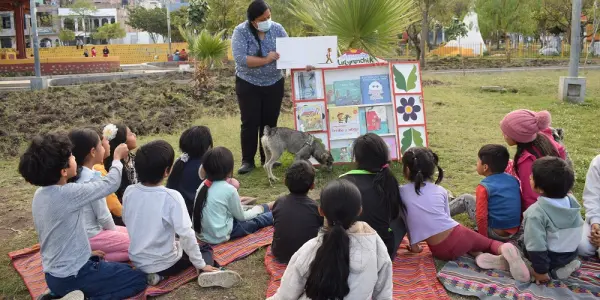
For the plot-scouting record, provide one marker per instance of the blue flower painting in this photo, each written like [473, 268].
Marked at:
[408, 109]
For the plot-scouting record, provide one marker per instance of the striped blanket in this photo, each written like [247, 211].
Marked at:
[237, 249]
[463, 277]
[414, 275]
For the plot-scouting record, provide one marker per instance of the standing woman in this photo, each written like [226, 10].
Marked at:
[259, 84]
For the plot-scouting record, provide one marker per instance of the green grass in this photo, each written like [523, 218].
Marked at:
[460, 120]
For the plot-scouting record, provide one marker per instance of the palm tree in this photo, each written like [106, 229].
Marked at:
[369, 25]
[208, 52]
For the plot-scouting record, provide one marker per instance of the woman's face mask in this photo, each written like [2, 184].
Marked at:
[264, 26]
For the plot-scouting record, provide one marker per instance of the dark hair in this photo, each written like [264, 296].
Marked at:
[539, 147]
[218, 164]
[83, 141]
[194, 141]
[553, 176]
[300, 177]
[44, 159]
[256, 9]
[120, 138]
[329, 271]
[152, 160]
[372, 154]
[421, 162]
[495, 156]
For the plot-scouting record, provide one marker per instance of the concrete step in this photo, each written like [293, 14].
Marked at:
[15, 85]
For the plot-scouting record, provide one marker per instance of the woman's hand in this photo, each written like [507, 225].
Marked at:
[272, 56]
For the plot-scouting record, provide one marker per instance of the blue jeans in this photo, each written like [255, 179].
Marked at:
[244, 228]
[100, 280]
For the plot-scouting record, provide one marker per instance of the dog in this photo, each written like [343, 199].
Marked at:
[303, 145]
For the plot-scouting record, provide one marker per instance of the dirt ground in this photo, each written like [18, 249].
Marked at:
[151, 105]
[451, 63]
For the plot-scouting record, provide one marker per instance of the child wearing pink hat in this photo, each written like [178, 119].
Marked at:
[530, 132]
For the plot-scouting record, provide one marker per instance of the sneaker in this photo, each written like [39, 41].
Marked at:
[224, 279]
[246, 168]
[74, 295]
[153, 279]
[518, 268]
[489, 261]
[566, 271]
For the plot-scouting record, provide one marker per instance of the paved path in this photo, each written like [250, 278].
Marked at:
[519, 69]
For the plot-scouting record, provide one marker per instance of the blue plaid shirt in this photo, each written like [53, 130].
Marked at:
[244, 44]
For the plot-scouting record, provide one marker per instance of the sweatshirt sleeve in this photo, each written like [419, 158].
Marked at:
[82, 194]
[183, 227]
[481, 210]
[235, 207]
[114, 205]
[103, 215]
[384, 286]
[591, 192]
[536, 244]
[293, 282]
[529, 197]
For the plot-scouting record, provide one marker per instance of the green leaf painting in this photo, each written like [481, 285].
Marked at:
[409, 137]
[404, 84]
[411, 82]
[400, 80]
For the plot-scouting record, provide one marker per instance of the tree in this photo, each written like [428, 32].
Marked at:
[554, 16]
[225, 15]
[506, 16]
[83, 9]
[372, 26]
[109, 32]
[197, 13]
[154, 21]
[280, 12]
[457, 29]
[208, 52]
[66, 35]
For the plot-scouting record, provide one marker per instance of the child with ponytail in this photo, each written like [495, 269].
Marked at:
[530, 132]
[348, 260]
[382, 207]
[89, 150]
[217, 213]
[428, 219]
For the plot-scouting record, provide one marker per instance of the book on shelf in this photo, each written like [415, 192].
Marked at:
[376, 119]
[311, 116]
[341, 151]
[330, 95]
[307, 86]
[344, 122]
[390, 141]
[347, 92]
[375, 89]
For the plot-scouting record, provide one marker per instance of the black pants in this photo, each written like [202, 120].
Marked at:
[259, 107]
[184, 262]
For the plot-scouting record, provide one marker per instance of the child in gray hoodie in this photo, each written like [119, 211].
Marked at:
[553, 225]
[346, 261]
[590, 241]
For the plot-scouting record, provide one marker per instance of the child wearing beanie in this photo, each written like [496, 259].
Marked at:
[530, 132]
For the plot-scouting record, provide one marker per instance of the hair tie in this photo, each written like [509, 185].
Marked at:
[208, 183]
[384, 167]
[184, 157]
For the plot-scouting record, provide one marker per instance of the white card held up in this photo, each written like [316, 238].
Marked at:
[299, 52]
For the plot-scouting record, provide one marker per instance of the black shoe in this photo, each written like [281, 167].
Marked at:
[246, 168]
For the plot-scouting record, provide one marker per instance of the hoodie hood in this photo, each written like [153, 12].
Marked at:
[562, 217]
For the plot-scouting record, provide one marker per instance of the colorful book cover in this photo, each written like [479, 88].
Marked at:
[330, 94]
[375, 89]
[347, 92]
[376, 119]
[344, 122]
[391, 143]
[362, 120]
[341, 151]
[311, 117]
[306, 85]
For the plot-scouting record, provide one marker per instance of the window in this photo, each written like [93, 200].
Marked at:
[6, 22]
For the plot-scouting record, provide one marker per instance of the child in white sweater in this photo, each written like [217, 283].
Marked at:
[590, 241]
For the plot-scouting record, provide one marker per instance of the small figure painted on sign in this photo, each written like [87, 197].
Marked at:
[329, 60]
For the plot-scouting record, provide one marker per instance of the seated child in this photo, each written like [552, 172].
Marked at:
[185, 177]
[295, 217]
[101, 230]
[428, 219]
[218, 215]
[348, 260]
[119, 134]
[553, 225]
[530, 132]
[154, 214]
[497, 208]
[68, 262]
[590, 241]
[382, 207]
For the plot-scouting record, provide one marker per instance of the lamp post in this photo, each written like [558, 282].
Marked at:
[38, 82]
[168, 24]
[572, 88]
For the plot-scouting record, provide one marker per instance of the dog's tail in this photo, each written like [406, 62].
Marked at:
[267, 130]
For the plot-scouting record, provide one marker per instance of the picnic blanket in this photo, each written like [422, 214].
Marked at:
[28, 263]
[465, 278]
[414, 275]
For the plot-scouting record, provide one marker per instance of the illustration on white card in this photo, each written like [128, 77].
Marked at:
[407, 78]
[342, 150]
[410, 110]
[324, 139]
[308, 85]
[310, 116]
[299, 52]
[412, 136]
